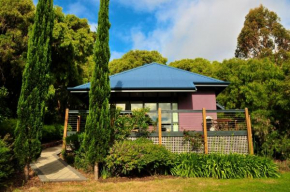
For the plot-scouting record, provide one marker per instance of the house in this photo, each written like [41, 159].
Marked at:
[171, 89]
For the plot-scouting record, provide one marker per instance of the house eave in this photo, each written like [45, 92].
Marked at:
[137, 90]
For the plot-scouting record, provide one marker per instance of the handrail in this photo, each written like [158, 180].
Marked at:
[173, 111]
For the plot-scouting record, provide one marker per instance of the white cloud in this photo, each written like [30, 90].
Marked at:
[116, 55]
[84, 8]
[204, 28]
[93, 26]
[76, 8]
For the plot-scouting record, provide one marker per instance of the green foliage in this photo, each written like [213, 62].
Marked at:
[196, 140]
[255, 83]
[139, 157]
[105, 173]
[263, 35]
[72, 46]
[140, 121]
[6, 167]
[49, 132]
[95, 146]
[224, 166]
[121, 125]
[260, 85]
[74, 141]
[72, 50]
[276, 145]
[15, 19]
[4, 111]
[198, 65]
[52, 133]
[34, 86]
[135, 58]
[8, 127]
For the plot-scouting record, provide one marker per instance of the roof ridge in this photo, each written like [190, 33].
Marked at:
[191, 72]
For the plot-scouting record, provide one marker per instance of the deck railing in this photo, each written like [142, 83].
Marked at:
[178, 120]
[212, 124]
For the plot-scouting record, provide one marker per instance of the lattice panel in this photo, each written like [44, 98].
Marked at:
[228, 144]
[216, 144]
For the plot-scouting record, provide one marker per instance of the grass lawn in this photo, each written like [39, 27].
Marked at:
[172, 184]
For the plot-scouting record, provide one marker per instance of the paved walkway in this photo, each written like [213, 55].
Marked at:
[50, 168]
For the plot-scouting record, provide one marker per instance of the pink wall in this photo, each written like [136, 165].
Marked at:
[195, 101]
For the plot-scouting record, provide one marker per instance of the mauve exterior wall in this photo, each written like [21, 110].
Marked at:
[195, 101]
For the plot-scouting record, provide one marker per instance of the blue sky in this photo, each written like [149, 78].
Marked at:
[178, 29]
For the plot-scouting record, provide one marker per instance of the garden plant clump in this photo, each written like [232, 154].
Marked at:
[139, 157]
[224, 166]
[6, 155]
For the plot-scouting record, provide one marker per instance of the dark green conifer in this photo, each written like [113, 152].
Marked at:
[97, 131]
[34, 86]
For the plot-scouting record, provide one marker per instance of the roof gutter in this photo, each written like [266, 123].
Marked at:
[136, 90]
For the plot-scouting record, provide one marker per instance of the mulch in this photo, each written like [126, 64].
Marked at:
[18, 182]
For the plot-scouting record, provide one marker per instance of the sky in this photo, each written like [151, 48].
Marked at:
[178, 29]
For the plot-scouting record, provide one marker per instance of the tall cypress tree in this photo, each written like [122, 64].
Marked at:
[97, 131]
[34, 87]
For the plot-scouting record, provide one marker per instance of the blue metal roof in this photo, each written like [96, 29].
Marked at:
[156, 76]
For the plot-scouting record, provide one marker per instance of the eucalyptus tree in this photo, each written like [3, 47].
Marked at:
[262, 36]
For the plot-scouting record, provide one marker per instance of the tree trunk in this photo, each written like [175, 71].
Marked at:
[96, 171]
[26, 172]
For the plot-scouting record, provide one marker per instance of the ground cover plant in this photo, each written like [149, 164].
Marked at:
[139, 157]
[224, 166]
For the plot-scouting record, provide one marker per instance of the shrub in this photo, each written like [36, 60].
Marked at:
[49, 132]
[6, 167]
[141, 121]
[4, 110]
[52, 133]
[139, 157]
[224, 166]
[123, 124]
[74, 141]
[7, 127]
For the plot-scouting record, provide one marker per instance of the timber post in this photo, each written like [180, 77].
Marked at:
[249, 132]
[205, 131]
[65, 129]
[159, 126]
[79, 124]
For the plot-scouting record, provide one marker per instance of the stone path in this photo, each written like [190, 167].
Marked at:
[50, 168]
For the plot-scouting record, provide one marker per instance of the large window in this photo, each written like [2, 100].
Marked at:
[137, 105]
[122, 106]
[169, 119]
